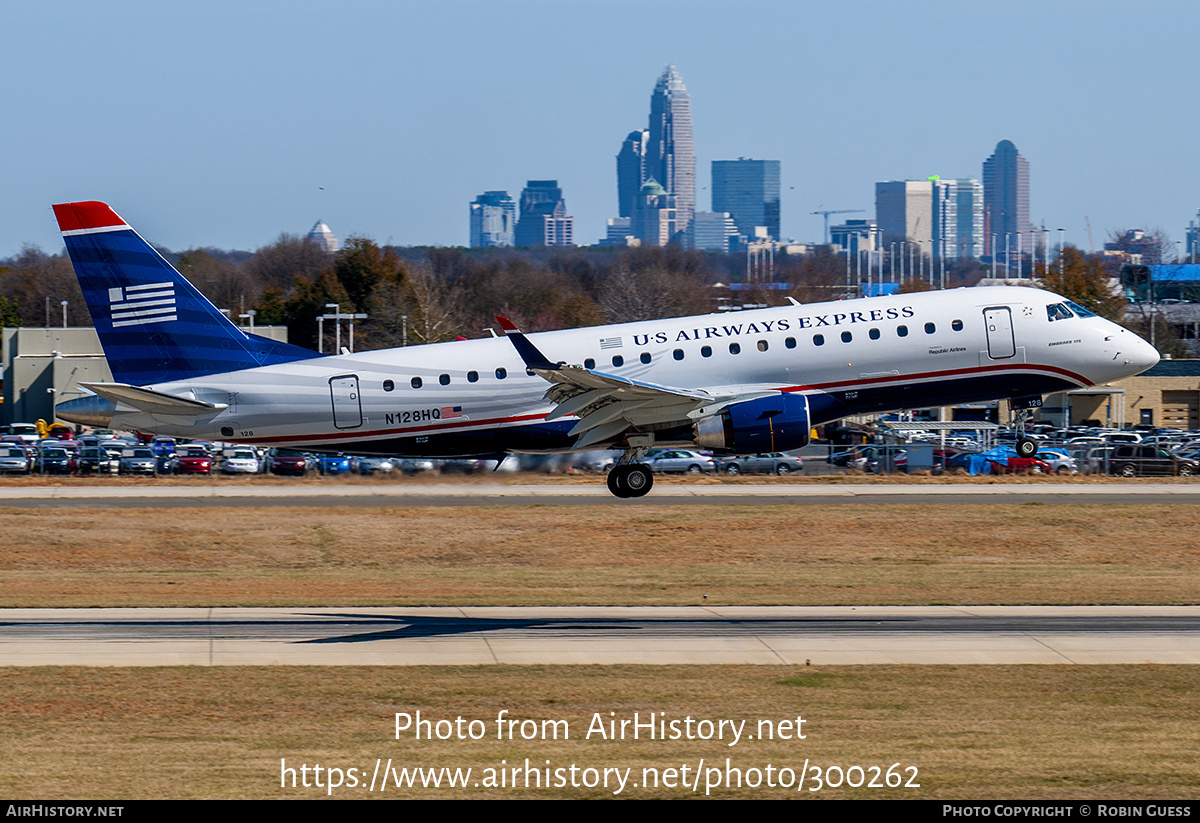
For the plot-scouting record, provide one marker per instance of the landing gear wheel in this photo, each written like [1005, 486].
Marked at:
[639, 479]
[1026, 447]
[616, 480]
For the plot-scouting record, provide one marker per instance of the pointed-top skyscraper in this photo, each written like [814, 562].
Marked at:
[670, 154]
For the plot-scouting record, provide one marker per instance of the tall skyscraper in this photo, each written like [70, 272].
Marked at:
[631, 170]
[670, 153]
[749, 190]
[1005, 197]
[544, 220]
[493, 220]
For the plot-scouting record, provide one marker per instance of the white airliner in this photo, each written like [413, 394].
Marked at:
[745, 382]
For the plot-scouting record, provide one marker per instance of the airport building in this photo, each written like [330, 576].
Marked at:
[44, 366]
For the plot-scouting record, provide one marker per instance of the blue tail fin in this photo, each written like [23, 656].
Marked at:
[153, 324]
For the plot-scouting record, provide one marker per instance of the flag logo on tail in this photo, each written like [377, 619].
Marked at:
[137, 305]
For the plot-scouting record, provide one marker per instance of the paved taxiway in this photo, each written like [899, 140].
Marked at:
[550, 635]
[484, 494]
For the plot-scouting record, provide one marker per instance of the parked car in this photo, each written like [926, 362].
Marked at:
[192, 459]
[1136, 461]
[770, 463]
[680, 460]
[241, 461]
[96, 460]
[15, 460]
[138, 461]
[333, 464]
[54, 460]
[374, 465]
[287, 461]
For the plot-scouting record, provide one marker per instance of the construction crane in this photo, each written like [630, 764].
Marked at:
[834, 211]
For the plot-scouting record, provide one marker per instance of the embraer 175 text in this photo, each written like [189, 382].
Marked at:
[753, 381]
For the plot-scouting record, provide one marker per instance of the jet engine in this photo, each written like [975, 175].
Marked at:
[766, 424]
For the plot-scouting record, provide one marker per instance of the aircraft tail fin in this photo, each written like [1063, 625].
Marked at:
[154, 325]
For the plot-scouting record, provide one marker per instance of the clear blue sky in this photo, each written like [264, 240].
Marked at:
[217, 123]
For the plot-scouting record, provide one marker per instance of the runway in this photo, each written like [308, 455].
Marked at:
[771, 635]
[499, 494]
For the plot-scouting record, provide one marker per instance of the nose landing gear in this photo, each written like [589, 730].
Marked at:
[1022, 409]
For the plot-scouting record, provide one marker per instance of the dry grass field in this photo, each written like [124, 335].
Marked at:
[1048, 732]
[1114, 732]
[601, 555]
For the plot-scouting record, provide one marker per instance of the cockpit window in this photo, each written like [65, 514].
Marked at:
[1058, 311]
[1080, 310]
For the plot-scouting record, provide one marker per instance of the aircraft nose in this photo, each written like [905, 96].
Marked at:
[1139, 353]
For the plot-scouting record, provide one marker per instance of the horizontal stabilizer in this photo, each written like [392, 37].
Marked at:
[152, 402]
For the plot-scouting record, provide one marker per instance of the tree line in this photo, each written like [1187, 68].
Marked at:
[414, 295]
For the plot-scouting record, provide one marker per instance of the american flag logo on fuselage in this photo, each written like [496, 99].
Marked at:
[137, 305]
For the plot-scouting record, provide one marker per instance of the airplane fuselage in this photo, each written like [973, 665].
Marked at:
[476, 397]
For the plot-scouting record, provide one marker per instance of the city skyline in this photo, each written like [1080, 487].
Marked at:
[227, 125]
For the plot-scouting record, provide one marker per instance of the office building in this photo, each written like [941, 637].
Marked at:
[855, 236]
[655, 217]
[904, 212]
[712, 231]
[493, 220]
[323, 237]
[748, 190]
[670, 153]
[544, 220]
[631, 170]
[1006, 198]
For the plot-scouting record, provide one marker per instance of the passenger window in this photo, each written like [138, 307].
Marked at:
[735, 348]
[645, 358]
[930, 328]
[762, 345]
[957, 325]
[501, 373]
[416, 382]
[590, 363]
[388, 385]
[677, 354]
[902, 331]
[873, 334]
[444, 380]
[790, 342]
[847, 337]
[706, 351]
[618, 360]
[818, 340]
[472, 377]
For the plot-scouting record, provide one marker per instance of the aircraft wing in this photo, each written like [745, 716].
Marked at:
[607, 404]
[152, 402]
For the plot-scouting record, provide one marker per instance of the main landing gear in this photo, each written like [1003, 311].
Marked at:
[631, 477]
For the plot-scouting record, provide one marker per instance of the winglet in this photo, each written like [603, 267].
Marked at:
[533, 358]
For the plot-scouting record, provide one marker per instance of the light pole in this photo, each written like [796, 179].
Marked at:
[64, 305]
[337, 318]
[1062, 246]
